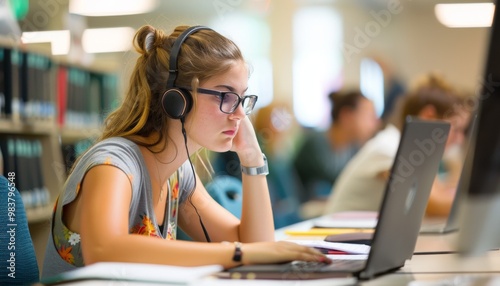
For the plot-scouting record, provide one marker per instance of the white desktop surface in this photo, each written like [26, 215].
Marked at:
[438, 279]
[421, 270]
[425, 242]
[453, 263]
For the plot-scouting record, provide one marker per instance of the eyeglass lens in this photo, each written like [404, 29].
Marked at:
[231, 100]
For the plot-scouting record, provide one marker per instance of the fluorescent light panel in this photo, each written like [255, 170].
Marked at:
[59, 40]
[465, 15]
[107, 40]
[103, 40]
[111, 7]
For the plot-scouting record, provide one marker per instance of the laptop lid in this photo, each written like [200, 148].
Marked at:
[451, 223]
[405, 199]
[463, 183]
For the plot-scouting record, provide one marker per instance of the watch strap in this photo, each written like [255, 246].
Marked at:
[237, 252]
[254, 171]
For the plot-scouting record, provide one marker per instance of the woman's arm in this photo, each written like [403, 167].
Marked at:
[257, 222]
[440, 199]
[444, 187]
[102, 215]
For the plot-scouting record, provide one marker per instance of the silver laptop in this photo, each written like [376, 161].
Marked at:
[415, 166]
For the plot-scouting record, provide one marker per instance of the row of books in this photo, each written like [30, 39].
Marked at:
[84, 98]
[34, 86]
[23, 157]
[25, 84]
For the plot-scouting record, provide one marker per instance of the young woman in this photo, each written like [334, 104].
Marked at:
[127, 194]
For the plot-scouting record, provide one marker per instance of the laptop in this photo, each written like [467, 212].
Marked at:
[415, 166]
[451, 223]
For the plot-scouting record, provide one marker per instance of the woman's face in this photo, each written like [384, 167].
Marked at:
[208, 126]
[365, 121]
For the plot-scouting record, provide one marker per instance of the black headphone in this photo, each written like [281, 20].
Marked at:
[177, 102]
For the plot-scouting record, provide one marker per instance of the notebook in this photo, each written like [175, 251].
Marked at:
[450, 224]
[415, 166]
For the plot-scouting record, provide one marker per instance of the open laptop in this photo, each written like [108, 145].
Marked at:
[415, 166]
[451, 223]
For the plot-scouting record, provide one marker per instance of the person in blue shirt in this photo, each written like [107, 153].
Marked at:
[323, 154]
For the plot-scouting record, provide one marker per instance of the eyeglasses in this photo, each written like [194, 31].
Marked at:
[229, 100]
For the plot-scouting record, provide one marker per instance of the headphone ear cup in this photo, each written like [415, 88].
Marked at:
[176, 103]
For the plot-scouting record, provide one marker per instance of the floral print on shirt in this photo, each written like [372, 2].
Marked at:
[68, 243]
[145, 227]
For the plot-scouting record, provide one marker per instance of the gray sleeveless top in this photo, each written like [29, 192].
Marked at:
[63, 251]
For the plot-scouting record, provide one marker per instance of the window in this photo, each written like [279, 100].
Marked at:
[252, 35]
[317, 64]
[372, 83]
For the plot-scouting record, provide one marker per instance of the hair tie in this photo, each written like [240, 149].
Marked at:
[148, 42]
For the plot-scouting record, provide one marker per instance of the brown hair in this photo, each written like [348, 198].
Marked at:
[433, 90]
[344, 99]
[203, 54]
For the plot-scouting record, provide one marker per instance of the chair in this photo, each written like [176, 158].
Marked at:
[18, 264]
[227, 191]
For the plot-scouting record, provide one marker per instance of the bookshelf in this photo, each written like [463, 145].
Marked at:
[47, 106]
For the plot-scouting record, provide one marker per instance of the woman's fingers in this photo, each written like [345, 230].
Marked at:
[308, 253]
[282, 251]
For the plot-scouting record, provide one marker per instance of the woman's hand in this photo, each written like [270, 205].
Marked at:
[277, 252]
[245, 144]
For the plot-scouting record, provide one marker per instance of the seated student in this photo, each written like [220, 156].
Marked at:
[323, 154]
[128, 193]
[361, 185]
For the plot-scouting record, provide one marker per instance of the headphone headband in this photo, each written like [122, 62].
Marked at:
[174, 53]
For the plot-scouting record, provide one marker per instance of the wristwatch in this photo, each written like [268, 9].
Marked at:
[237, 252]
[253, 171]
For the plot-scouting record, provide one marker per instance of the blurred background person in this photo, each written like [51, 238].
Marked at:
[323, 154]
[276, 130]
[361, 184]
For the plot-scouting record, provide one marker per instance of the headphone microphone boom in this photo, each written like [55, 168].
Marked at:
[177, 102]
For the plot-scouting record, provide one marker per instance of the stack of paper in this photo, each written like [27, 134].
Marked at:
[349, 248]
[121, 271]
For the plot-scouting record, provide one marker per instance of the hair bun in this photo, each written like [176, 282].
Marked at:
[147, 38]
[149, 41]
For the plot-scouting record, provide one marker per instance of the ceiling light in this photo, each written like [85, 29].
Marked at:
[111, 7]
[465, 15]
[60, 40]
[107, 40]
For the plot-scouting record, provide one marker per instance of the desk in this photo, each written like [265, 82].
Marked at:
[428, 268]
[434, 280]
[387, 280]
[436, 242]
[453, 263]
[425, 242]
[420, 270]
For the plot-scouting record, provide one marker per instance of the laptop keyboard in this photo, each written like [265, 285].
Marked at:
[336, 265]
